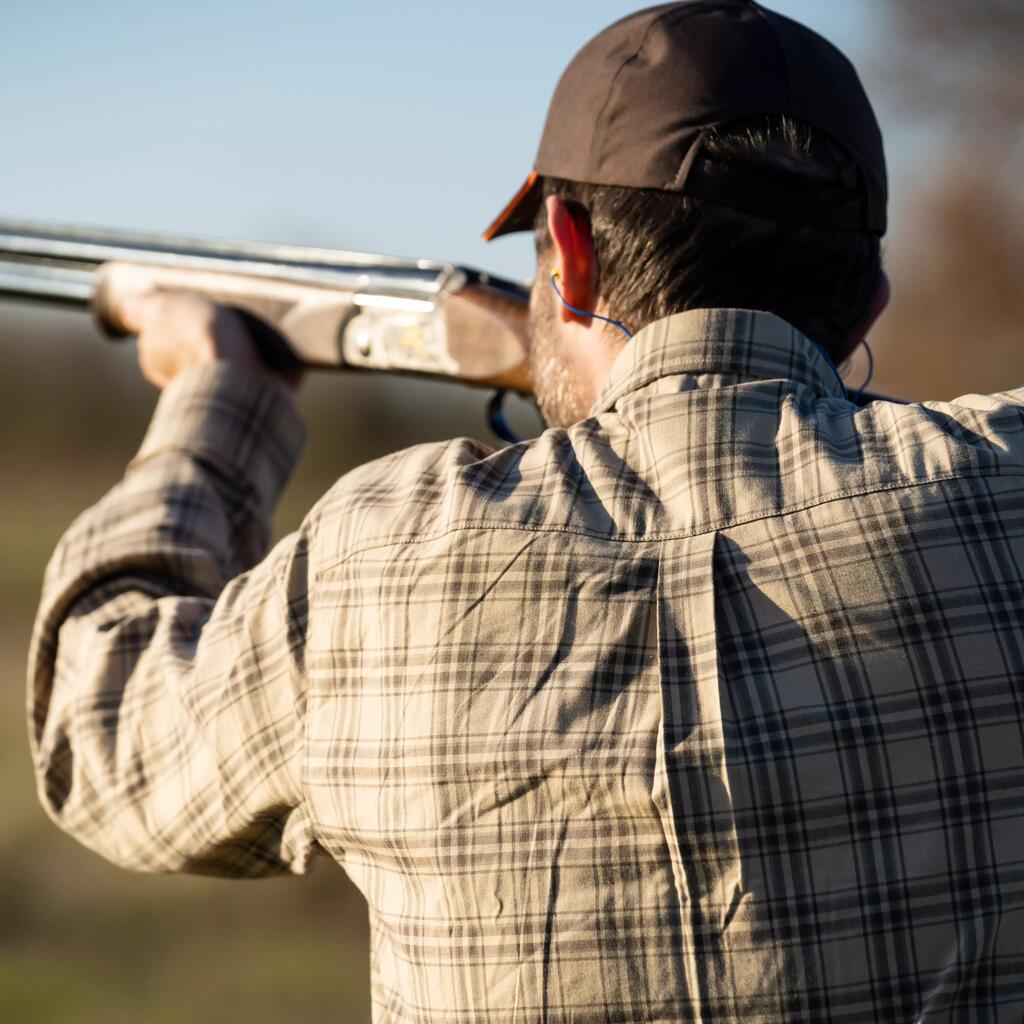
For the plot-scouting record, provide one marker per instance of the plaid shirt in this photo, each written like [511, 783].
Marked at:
[707, 709]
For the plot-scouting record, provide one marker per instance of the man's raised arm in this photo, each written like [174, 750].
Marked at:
[166, 689]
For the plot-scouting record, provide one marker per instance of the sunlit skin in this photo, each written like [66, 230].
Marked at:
[177, 330]
[570, 355]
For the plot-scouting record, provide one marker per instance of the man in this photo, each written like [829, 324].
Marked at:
[704, 705]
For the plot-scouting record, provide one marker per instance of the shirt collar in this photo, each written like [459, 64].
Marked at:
[735, 342]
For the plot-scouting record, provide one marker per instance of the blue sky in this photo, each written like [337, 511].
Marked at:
[390, 127]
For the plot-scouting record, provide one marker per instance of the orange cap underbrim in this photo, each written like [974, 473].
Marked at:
[520, 212]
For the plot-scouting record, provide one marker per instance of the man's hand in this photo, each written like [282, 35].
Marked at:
[177, 330]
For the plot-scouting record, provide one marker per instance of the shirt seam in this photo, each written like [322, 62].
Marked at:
[484, 524]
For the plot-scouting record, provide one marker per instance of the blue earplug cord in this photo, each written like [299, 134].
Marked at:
[582, 312]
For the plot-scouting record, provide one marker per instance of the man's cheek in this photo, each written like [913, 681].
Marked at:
[536, 305]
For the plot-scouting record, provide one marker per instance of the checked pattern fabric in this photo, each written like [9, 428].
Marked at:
[706, 709]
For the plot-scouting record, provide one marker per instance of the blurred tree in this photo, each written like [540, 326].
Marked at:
[957, 320]
[961, 60]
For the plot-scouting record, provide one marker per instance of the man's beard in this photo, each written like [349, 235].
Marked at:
[556, 385]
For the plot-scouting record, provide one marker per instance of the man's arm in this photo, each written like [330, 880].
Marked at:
[166, 680]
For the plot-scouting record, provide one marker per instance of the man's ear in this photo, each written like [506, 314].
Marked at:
[575, 261]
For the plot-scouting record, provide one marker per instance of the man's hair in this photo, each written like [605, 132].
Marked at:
[665, 252]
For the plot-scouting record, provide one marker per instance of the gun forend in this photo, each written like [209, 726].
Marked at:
[463, 331]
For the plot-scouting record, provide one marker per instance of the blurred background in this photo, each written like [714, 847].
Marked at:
[393, 128]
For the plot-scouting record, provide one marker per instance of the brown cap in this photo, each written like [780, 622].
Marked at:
[632, 108]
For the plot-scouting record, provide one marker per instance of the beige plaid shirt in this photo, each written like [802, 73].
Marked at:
[706, 709]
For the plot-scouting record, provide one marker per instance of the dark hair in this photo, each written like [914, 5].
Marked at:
[664, 252]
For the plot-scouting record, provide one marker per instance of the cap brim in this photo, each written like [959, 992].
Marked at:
[520, 212]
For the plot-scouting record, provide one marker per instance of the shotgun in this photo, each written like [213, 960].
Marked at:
[333, 309]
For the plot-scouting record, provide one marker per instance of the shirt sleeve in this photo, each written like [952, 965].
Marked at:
[166, 693]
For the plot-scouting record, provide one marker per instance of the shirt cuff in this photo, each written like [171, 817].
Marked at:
[242, 425]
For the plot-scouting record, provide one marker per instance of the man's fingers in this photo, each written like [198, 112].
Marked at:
[179, 329]
[137, 309]
[145, 309]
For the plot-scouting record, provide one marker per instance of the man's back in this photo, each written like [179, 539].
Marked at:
[705, 709]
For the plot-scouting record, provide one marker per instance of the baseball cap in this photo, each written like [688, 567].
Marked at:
[635, 104]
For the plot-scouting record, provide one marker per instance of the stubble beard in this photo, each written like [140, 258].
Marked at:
[555, 384]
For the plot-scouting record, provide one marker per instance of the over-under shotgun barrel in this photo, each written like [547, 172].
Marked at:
[335, 309]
